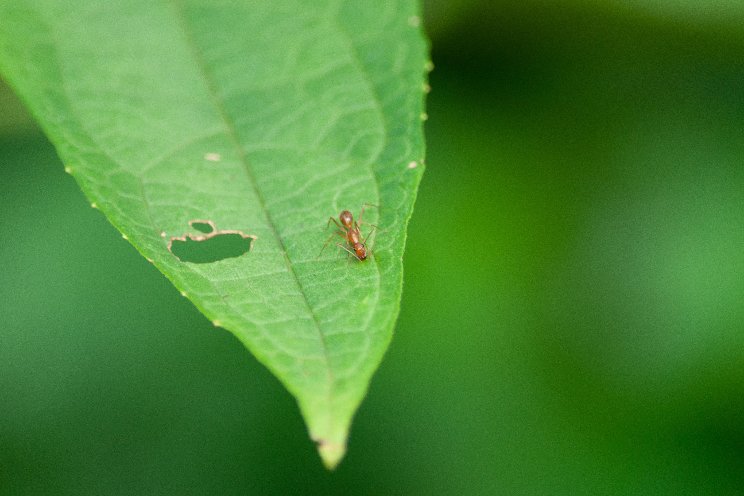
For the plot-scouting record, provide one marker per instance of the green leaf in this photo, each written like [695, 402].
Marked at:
[263, 119]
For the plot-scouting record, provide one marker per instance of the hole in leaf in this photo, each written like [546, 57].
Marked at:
[211, 246]
[212, 249]
[200, 226]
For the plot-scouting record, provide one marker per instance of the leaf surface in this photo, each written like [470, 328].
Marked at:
[262, 119]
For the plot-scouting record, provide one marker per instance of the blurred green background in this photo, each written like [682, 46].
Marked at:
[572, 319]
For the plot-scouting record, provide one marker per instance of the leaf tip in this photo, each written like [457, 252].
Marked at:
[331, 453]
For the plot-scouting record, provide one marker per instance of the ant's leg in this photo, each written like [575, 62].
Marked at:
[348, 250]
[374, 227]
[334, 221]
[361, 214]
[329, 240]
[325, 245]
[341, 232]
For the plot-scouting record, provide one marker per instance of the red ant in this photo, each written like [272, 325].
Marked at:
[349, 230]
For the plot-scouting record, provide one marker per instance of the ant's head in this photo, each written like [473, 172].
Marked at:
[346, 219]
[360, 250]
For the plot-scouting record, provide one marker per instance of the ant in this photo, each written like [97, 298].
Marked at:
[349, 230]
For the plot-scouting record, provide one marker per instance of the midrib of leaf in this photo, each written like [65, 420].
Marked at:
[231, 132]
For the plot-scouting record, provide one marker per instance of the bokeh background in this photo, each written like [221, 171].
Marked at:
[573, 312]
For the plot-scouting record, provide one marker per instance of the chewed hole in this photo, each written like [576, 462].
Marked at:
[204, 227]
[212, 249]
[211, 245]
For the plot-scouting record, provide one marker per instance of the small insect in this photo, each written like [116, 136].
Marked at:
[348, 229]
